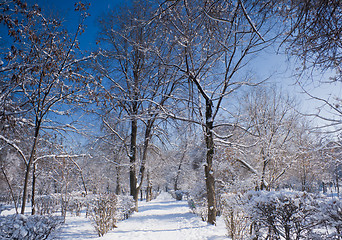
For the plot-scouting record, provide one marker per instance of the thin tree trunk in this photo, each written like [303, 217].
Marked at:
[84, 184]
[118, 184]
[33, 210]
[262, 184]
[149, 188]
[209, 173]
[11, 189]
[144, 157]
[179, 169]
[337, 186]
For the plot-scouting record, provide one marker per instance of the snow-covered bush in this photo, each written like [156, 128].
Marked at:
[331, 215]
[125, 207]
[23, 227]
[235, 217]
[102, 211]
[281, 214]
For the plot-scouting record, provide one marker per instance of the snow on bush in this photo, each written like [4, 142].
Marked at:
[125, 207]
[28, 227]
[102, 212]
[331, 215]
[235, 217]
[281, 214]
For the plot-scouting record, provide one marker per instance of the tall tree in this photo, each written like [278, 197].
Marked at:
[214, 40]
[135, 83]
[43, 70]
[273, 120]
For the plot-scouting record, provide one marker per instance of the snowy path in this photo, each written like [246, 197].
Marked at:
[163, 218]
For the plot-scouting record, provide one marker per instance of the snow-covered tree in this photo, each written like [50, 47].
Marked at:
[136, 85]
[213, 42]
[41, 66]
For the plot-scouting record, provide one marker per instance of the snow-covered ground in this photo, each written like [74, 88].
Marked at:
[163, 218]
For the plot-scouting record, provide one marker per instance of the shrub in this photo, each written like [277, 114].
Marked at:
[331, 215]
[282, 214]
[125, 207]
[102, 211]
[235, 217]
[28, 227]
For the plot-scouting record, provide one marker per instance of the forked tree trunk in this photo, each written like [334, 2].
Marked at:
[28, 166]
[209, 173]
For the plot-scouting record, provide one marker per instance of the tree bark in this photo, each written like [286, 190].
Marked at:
[209, 173]
[118, 184]
[33, 210]
[144, 157]
[179, 169]
[132, 158]
[149, 188]
[28, 166]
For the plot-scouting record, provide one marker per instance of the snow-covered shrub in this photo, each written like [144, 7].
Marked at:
[102, 211]
[23, 227]
[46, 204]
[331, 215]
[125, 207]
[281, 214]
[235, 217]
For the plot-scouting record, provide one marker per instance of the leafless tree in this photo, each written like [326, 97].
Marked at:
[135, 83]
[214, 41]
[43, 72]
[273, 120]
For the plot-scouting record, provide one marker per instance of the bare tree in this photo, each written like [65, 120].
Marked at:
[136, 84]
[214, 41]
[41, 64]
[273, 120]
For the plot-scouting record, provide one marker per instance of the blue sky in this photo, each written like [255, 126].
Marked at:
[65, 10]
[268, 63]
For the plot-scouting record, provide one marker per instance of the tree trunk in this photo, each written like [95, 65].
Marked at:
[209, 173]
[265, 161]
[144, 157]
[11, 189]
[149, 188]
[118, 184]
[28, 166]
[337, 186]
[179, 169]
[33, 210]
[132, 158]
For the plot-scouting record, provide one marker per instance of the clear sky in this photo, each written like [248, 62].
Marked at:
[266, 65]
[65, 10]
